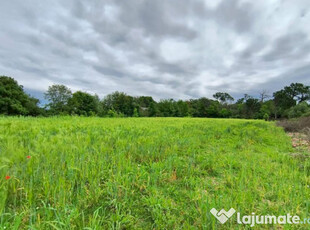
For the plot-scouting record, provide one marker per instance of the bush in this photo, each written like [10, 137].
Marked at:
[298, 110]
[112, 113]
[135, 113]
[297, 125]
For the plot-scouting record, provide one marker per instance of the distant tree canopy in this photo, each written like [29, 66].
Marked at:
[14, 101]
[289, 102]
[82, 103]
[290, 96]
[120, 103]
[223, 97]
[58, 96]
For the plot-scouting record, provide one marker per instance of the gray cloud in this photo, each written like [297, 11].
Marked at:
[179, 49]
[289, 45]
[239, 15]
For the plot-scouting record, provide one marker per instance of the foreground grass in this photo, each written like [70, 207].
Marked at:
[161, 173]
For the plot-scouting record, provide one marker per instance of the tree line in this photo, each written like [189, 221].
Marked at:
[289, 102]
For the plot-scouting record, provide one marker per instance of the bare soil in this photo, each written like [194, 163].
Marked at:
[300, 141]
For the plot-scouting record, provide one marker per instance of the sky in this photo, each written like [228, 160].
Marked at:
[176, 49]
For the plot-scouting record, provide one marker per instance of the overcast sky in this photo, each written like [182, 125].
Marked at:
[166, 49]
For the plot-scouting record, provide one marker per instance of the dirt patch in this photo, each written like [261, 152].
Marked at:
[300, 141]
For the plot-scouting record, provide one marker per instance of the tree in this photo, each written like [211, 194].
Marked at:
[213, 110]
[119, 102]
[283, 101]
[182, 108]
[298, 110]
[263, 95]
[298, 92]
[13, 99]
[204, 107]
[252, 107]
[145, 106]
[223, 97]
[267, 107]
[58, 96]
[153, 110]
[167, 108]
[82, 103]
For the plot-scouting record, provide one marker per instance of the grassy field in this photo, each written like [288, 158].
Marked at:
[146, 173]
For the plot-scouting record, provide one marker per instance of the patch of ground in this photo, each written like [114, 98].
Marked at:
[300, 141]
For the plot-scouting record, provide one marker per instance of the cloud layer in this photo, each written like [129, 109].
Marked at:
[165, 49]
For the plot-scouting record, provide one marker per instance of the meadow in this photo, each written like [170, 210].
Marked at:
[146, 173]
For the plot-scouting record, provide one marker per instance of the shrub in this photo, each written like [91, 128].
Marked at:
[135, 113]
[297, 125]
[298, 110]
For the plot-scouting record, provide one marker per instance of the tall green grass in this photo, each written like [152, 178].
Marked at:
[146, 173]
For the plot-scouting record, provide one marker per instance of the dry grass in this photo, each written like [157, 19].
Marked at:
[299, 131]
[296, 125]
[307, 132]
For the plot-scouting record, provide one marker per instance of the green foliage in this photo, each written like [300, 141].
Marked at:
[289, 102]
[283, 101]
[289, 97]
[13, 99]
[119, 102]
[298, 110]
[145, 173]
[58, 96]
[225, 113]
[153, 110]
[267, 107]
[113, 113]
[223, 97]
[252, 107]
[146, 106]
[298, 92]
[204, 107]
[82, 103]
[135, 113]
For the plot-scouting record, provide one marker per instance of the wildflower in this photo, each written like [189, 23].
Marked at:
[28, 157]
[7, 177]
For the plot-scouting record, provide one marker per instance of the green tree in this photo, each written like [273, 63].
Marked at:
[283, 101]
[252, 107]
[119, 102]
[145, 106]
[298, 91]
[58, 96]
[204, 107]
[182, 108]
[167, 108]
[82, 103]
[153, 110]
[225, 113]
[223, 97]
[267, 107]
[298, 110]
[13, 99]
